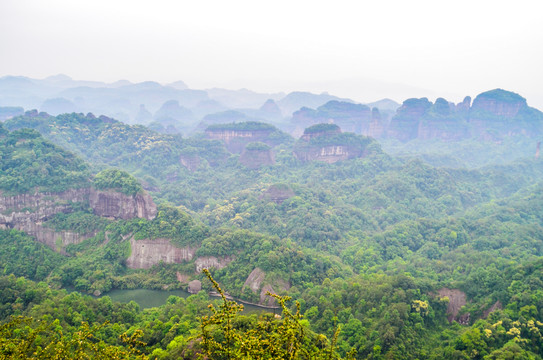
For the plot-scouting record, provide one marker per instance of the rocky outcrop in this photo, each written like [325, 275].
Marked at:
[194, 286]
[319, 130]
[278, 193]
[329, 154]
[496, 306]
[27, 212]
[117, 205]
[191, 162]
[494, 115]
[256, 155]
[236, 140]
[499, 102]
[440, 121]
[329, 145]
[350, 117]
[256, 282]
[498, 113]
[457, 299]
[377, 125]
[148, 252]
[404, 125]
[237, 135]
[464, 106]
[207, 262]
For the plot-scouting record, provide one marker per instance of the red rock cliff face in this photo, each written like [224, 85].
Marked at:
[26, 212]
[235, 140]
[312, 135]
[498, 108]
[120, 206]
[329, 154]
[254, 159]
[146, 253]
[191, 162]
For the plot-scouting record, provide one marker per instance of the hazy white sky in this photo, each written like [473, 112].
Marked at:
[359, 49]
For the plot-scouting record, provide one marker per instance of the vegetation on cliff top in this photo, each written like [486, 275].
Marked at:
[243, 126]
[501, 96]
[257, 146]
[29, 162]
[356, 142]
[321, 128]
[117, 180]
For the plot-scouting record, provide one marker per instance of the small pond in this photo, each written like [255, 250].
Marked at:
[147, 298]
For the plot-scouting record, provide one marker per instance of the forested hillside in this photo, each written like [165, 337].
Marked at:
[384, 257]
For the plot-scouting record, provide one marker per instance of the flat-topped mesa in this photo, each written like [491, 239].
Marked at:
[257, 154]
[237, 135]
[404, 125]
[498, 113]
[499, 103]
[320, 130]
[114, 204]
[351, 117]
[422, 119]
[278, 193]
[330, 146]
[116, 194]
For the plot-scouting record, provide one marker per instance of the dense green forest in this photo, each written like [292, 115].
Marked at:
[384, 257]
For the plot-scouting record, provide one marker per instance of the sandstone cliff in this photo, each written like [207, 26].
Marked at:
[146, 253]
[258, 283]
[494, 115]
[498, 113]
[405, 123]
[256, 155]
[278, 193]
[329, 145]
[237, 135]
[27, 212]
[116, 205]
[191, 162]
[350, 117]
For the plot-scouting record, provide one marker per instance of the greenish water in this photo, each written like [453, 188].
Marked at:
[146, 298]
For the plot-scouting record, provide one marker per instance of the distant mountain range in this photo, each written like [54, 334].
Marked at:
[149, 101]
[175, 108]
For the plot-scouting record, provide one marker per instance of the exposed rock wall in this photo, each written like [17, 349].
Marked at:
[497, 107]
[253, 159]
[117, 205]
[312, 135]
[235, 140]
[27, 212]
[457, 299]
[146, 253]
[256, 282]
[191, 162]
[329, 154]
[278, 194]
[206, 262]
